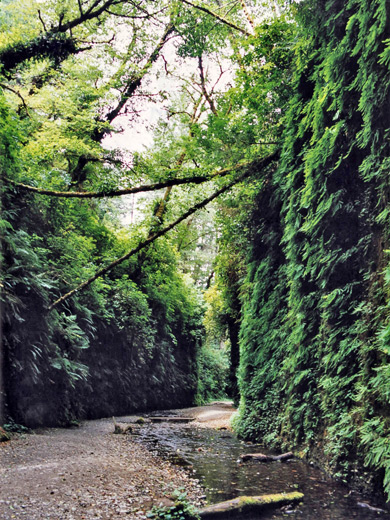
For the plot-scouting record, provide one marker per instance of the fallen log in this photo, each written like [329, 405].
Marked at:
[371, 508]
[173, 419]
[260, 457]
[243, 505]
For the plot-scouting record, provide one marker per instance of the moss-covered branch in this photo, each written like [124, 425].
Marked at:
[198, 179]
[55, 43]
[252, 168]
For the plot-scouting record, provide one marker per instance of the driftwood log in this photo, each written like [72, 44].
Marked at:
[260, 457]
[371, 508]
[243, 505]
[172, 419]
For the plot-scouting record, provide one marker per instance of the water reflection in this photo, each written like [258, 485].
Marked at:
[214, 458]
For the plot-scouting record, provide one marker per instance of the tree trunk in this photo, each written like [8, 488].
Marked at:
[2, 374]
[234, 330]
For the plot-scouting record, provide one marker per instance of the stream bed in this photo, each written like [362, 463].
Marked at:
[213, 457]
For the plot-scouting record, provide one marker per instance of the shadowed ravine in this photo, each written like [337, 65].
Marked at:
[88, 473]
[213, 456]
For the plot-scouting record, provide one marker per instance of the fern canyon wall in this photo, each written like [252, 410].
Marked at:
[121, 347]
[315, 370]
[251, 255]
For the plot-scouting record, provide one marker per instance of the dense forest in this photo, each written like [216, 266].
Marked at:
[195, 204]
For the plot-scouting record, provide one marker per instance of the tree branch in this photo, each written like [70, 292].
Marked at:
[17, 94]
[146, 14]
[135, 82]
[78, 174]
[80, 8]
[128, 191]
[203, 85]
[246, 12]
[90, 14]
[253, 167]
[217, 17]
[41, 20]
[112, 193]
[53, 43]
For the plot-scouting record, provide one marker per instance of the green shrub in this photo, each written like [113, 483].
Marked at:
[181, 510]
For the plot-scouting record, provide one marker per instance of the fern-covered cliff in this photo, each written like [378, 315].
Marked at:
[315, 360]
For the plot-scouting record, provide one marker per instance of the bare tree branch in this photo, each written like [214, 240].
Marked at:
[146, 14]
[94, 11]
[95, 43]
[41, 20]
[252, 168]
[80, 8]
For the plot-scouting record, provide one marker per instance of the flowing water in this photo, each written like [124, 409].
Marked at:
[213, 457]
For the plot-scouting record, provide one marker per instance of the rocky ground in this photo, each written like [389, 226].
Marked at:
[90, 473]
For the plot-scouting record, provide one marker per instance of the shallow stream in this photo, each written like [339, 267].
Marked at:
[213, 457]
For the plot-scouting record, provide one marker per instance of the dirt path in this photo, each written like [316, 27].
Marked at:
[89, 473]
